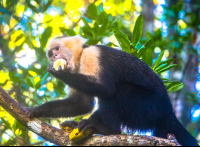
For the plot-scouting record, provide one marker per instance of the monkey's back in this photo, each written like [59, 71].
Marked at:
[140, 103]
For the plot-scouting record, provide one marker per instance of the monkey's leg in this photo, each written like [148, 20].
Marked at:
[75, 104]
[93, 125]
[104, 123]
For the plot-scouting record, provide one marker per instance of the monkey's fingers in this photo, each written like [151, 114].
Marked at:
[77, 136]
[68, 126]
[30, 112]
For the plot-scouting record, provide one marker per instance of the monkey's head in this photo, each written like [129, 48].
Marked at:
[67, 48]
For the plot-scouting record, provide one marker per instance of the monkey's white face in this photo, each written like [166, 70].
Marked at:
[58, 51]
[67, 48]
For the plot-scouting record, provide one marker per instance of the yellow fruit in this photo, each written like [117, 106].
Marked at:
[60, 63]
[75, 135]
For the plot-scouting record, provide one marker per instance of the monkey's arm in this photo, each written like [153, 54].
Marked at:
[76, 104]
[87, 84]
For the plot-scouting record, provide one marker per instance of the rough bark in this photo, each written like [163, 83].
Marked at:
[60, 137]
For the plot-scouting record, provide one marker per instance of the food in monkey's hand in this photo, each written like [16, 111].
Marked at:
[60, 64]
[76, 136]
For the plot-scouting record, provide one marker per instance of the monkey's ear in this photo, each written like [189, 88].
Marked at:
[79, 39]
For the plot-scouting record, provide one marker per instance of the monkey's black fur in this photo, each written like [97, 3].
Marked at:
[129, 93]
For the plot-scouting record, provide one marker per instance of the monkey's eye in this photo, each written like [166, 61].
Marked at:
[57, 48]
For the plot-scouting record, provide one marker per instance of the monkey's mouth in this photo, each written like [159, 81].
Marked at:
[61, 64]
[65, 60]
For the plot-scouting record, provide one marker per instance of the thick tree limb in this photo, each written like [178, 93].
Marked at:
[60, 137]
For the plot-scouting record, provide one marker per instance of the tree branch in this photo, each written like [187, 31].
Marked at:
[60, 137]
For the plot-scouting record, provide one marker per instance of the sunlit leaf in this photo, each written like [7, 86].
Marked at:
[86, 21]
[70, 32]
[175, 86]
[122, 39]
[146, 46]
[137, 31]
[50, 86]
[47, 5]
[30, 81]
[159, 60]
[19, 37]
[6, 123]
[166, 68]
[147, 57]
[38, 84]
[92, 10]
[45, 36]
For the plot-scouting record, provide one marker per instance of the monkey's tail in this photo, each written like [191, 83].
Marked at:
[181, 134]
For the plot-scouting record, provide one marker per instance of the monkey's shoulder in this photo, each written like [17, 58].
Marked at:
[90, 61]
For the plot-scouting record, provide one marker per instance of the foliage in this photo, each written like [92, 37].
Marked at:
[145, 52]
[27, 26]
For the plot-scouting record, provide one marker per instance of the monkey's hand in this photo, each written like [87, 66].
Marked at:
[55, 73]
[33, 112]
[86, 124]
[84, 129]
[68, 126]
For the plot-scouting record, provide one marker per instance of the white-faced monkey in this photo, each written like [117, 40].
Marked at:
[130, 93]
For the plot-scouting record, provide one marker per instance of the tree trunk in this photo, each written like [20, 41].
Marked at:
[148, 15]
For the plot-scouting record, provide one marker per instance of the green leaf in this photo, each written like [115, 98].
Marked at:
[168, 61]
[159, 60]
[19, 37]
[164, 64]
[87, 32]
[92, 11]
[45, 36]
[121, 43]
[122, 39]
[12, 75]
[86, 20]
[111, 44]
[137, 30]
[6, 123]
[146, 46]
[147, 57]
[44, 8]
[70, 32]
[175, 86]
[165, 80]
[102, 29]
[17, 125]
[132, 49]
[30, 81]
[38, 84]
[116, 30]
[166, 68]
[33, 8]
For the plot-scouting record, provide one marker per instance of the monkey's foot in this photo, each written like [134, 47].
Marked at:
[68, 126]
[76, 135]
